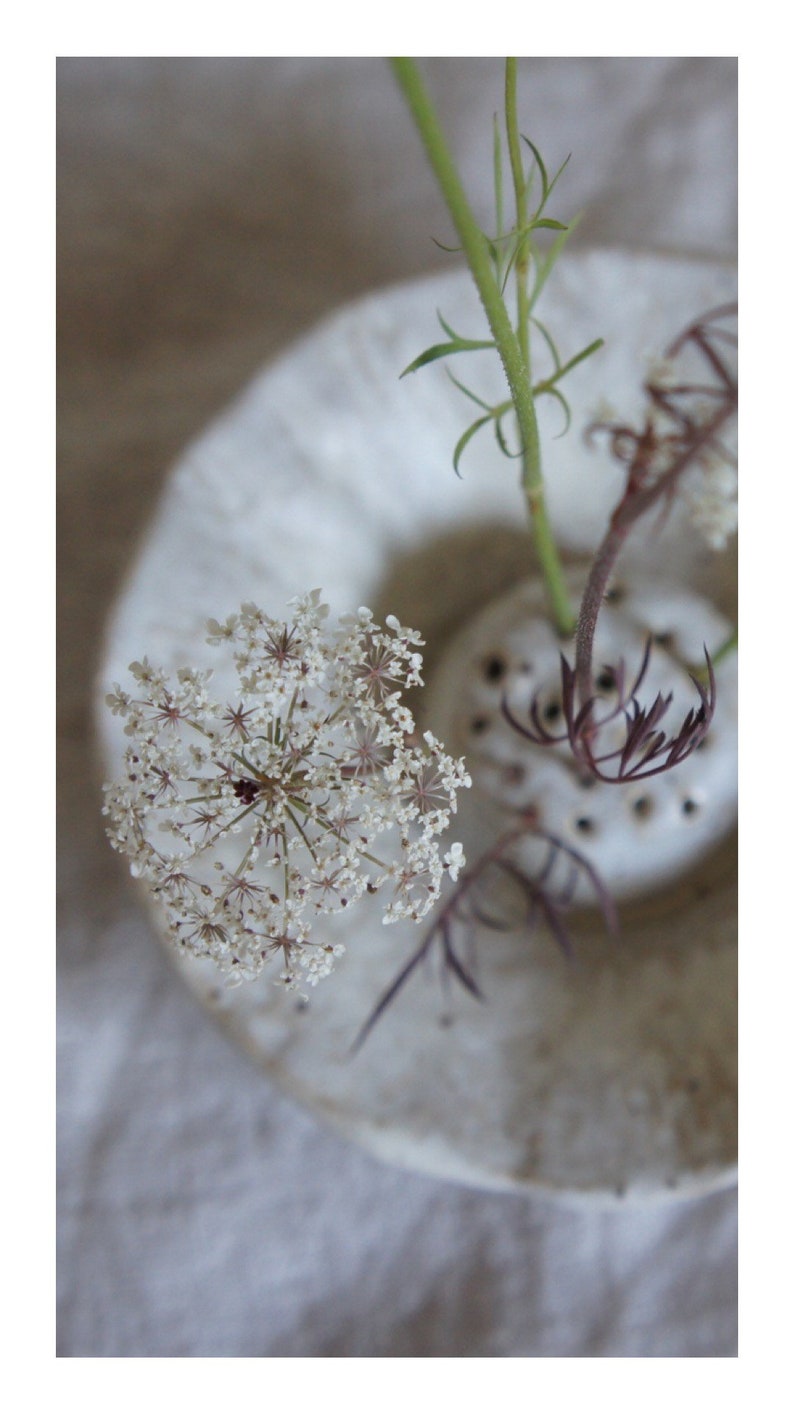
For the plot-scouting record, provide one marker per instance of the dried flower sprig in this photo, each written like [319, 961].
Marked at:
[645, 749]
[688, 416]
[250, 818]
[500, 893]
[278, 800]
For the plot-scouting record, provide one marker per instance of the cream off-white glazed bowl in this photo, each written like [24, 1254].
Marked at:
[608, 1075]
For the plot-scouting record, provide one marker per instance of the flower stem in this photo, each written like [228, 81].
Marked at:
[634, 503]
[508, 344]
[520, 189]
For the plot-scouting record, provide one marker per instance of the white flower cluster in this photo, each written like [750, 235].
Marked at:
[710, 486]
[709, 491]
[249, 818]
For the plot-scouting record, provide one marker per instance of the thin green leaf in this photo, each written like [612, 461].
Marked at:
[465, 439]
[446, 327]
[548, 186]
[467, 392]
[580, 357]
[502, 441]
[547, 383]
[511, 259]
[557, 176]
[545, 266]
[555, 392]
[453, 334]
[497, 239]
[521, 238]
[544, 180]
[552, 347]
[445, 350]
[524, 237]
[430, 355]
[449, 249]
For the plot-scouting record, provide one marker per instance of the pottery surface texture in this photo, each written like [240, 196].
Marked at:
[612, 1076]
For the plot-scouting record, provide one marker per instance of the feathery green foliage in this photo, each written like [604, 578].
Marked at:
[507, 259]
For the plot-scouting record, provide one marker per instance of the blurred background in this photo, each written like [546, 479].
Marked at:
[209, 211]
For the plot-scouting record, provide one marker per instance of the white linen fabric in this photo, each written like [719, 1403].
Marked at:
[210, 210]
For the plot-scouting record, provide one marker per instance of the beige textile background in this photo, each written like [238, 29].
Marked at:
[209, 210]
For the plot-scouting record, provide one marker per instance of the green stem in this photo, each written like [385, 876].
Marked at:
[520, 188]
[475, 247]
[730, 645]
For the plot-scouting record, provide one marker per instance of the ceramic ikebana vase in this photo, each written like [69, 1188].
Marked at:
[467, 741]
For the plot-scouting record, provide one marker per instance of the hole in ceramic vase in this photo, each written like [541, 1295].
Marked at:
[514, 775]
[643, 807]
[635, 841]
[494, 668]
[663, 639]
[615, 594]
[606, 680]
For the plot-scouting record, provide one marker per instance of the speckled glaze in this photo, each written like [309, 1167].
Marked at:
[609, 1078]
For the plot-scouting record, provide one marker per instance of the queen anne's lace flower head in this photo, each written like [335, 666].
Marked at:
[250, 818]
